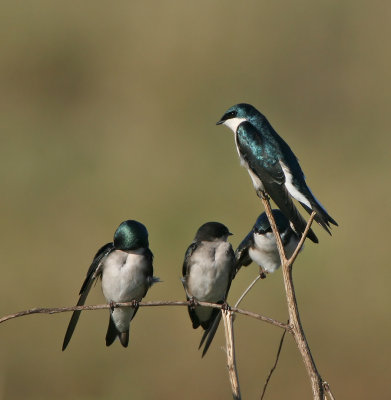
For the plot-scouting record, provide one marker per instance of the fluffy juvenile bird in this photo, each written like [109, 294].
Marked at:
[273, 167]
[125, 267]
[260, 244]
[208, 270]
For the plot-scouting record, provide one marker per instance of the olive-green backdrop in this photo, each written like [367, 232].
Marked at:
[108, 111]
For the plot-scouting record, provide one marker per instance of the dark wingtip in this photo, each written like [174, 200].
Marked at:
[210, 333]
[65, 343]
[311, 235]
[333, 221]
[112, 333]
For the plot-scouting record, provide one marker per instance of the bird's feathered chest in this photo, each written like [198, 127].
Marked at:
[125, 275]
[265, 252]
[209, 271]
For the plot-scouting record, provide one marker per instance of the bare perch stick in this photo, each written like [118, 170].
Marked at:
[142, 304]
[294, 316]
[230, 347]
[327, 390]
[247, 290]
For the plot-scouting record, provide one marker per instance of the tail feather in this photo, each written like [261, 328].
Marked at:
[113, 333]
[124, 338]
[321, 217]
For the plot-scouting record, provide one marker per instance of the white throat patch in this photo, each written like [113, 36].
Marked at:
[233, 123]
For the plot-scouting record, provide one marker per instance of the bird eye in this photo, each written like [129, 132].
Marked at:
[231, 114]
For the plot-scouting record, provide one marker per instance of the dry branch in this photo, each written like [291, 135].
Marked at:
[294, 316]
[57, 310]
[230, 347]
[319, 387]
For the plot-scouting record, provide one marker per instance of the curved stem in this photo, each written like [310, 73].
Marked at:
[294, 316]
[57, 310]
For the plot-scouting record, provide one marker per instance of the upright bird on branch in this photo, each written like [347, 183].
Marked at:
[125, 266]
[273, 167]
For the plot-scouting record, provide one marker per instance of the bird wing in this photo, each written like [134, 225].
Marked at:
[261, 159]
[150, 279]
[93, 272]
[149, 270]
[186, 262]
[241, 253]
[185, 273]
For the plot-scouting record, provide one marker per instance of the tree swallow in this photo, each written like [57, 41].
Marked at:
[208, 270]
[125, 267]
[273, 167]
[260, 244]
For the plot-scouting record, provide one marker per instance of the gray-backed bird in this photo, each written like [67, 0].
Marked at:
[208, 270]
[273, 167]
[260, 244]
[125, 267]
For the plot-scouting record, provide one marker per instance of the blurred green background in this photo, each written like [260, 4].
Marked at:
[108, 111]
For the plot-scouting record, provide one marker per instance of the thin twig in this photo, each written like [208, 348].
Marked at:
[294, 316]
[247, 290]
[57, 310]
[275, 364]
[302, 239]
[272, 222]
[230, 347]
[327, 389]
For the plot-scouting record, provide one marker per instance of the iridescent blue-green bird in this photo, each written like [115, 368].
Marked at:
[125, 267]
[273, 167]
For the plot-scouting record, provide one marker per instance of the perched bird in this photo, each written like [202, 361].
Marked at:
[208, 270]
[273, 167]
[260, 244]
[125, 267]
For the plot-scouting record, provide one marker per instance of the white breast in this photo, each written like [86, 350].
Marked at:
[123, 280]
[123, 277]
[265, 252]
[210, 271]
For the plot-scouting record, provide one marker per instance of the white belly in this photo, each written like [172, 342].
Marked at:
[265, 251]
[209, 276]
[123, 280]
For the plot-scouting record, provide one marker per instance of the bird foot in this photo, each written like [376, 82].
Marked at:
[112, 305]
[135, 303]
[263, 195]
[225, 306]
[193, 302]
[262, 274]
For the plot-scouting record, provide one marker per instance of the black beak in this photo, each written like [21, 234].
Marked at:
[222, 120]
